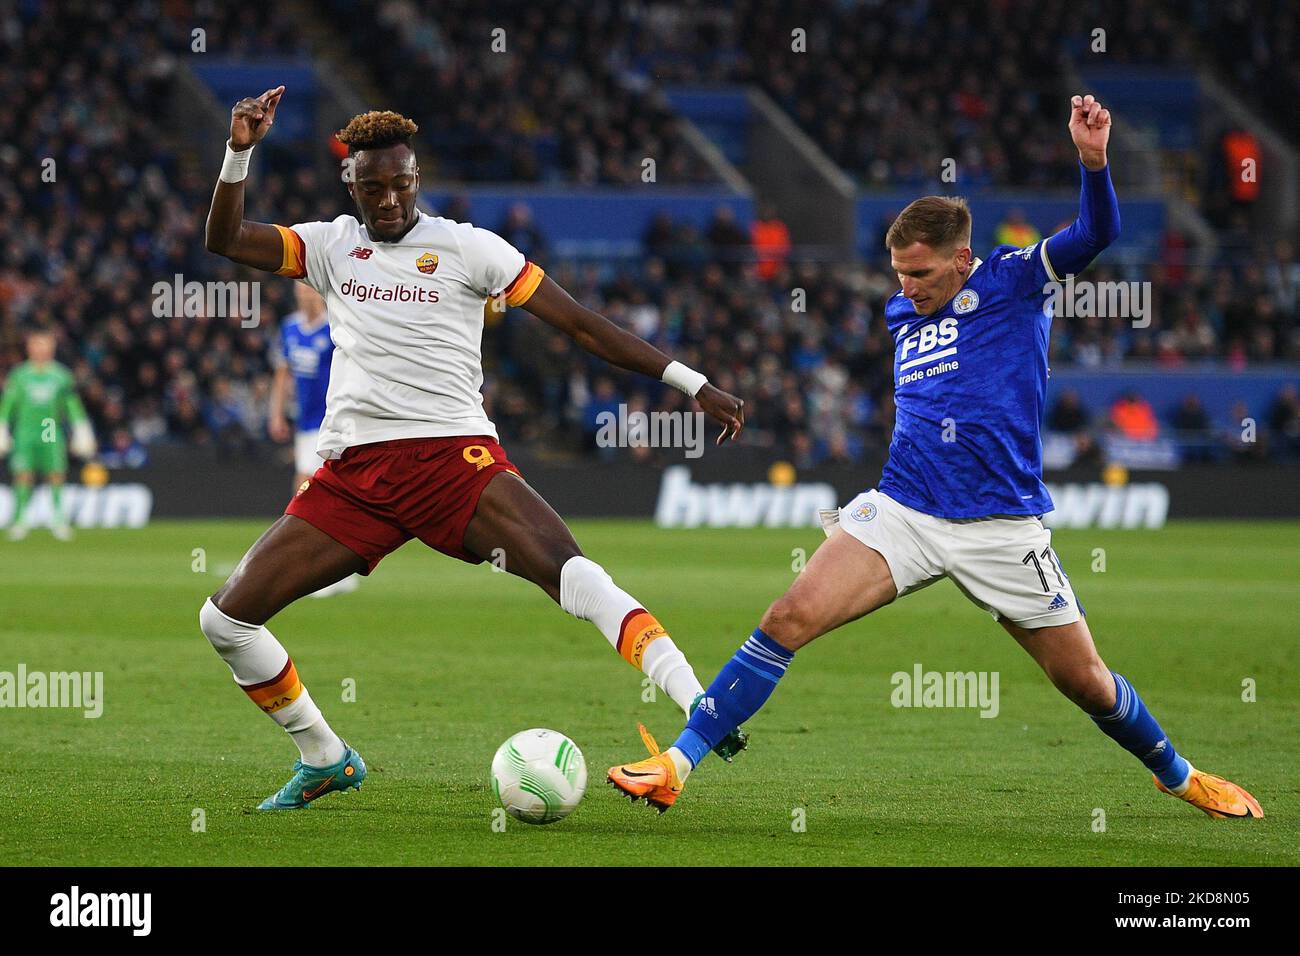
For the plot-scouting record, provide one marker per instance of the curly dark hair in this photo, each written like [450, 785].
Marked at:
[377, 129]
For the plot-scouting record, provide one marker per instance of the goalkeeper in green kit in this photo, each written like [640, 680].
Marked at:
[39, 396]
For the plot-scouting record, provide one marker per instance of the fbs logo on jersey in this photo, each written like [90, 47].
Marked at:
[926, 339]
[427, 263]
[967, 300]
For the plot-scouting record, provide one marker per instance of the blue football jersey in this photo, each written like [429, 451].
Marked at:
[969, 385]
[308, 352]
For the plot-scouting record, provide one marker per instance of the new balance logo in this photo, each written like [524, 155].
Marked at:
[1058, 603]
[361, 252]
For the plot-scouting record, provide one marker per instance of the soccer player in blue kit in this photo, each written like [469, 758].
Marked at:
[962, 494]
[302, 354]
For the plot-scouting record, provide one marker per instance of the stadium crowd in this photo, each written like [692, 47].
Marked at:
[85, 240]
[884, 88]
[521, 92]
[816, 368]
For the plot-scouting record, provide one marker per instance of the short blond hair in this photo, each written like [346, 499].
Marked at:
[942, 222]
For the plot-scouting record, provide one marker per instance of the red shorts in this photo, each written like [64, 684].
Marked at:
[379, 496]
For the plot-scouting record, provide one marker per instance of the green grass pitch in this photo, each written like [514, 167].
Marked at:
[449, 660]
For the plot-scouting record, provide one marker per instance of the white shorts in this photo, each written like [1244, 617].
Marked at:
[305, 459]
[1005, 565]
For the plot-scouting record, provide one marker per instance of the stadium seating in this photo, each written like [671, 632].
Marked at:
[125, 210]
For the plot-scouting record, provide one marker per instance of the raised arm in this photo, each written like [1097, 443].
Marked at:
[605, 340]
[229, 234]
[1071, 250]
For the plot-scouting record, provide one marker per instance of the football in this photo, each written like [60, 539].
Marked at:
[539, 775]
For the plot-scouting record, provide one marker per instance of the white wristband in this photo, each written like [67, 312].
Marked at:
[683, 377]
[234, 169]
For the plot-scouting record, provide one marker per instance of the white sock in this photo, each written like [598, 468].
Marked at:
[263, 670]
[681, 762]
[319, 745]
[667, 666]
[590, 594]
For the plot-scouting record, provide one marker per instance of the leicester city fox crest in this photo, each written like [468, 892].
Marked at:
[864, 512]
[967, 300]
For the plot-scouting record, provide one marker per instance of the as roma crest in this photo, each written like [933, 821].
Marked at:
[427, 263]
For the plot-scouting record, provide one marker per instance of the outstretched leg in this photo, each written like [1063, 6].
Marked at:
[291, 559]
[512, 521]
[1067, 655]
[844, 580]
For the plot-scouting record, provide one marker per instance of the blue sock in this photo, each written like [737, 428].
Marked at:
[1131, 726]
[736, 694]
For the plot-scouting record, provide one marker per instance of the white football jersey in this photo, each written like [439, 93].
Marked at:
[406, 318]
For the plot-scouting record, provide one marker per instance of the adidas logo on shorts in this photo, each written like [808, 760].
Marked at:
[1058, 603]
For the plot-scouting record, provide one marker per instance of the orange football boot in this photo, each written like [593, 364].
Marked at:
[1219, 798]
[654, 778]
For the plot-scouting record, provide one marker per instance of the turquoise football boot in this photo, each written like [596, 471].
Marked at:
[728, 746]
[309, 783]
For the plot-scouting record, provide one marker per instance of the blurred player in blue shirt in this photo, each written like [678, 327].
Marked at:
[302, 355]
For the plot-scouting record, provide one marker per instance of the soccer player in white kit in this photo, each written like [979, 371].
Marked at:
[409, 452]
